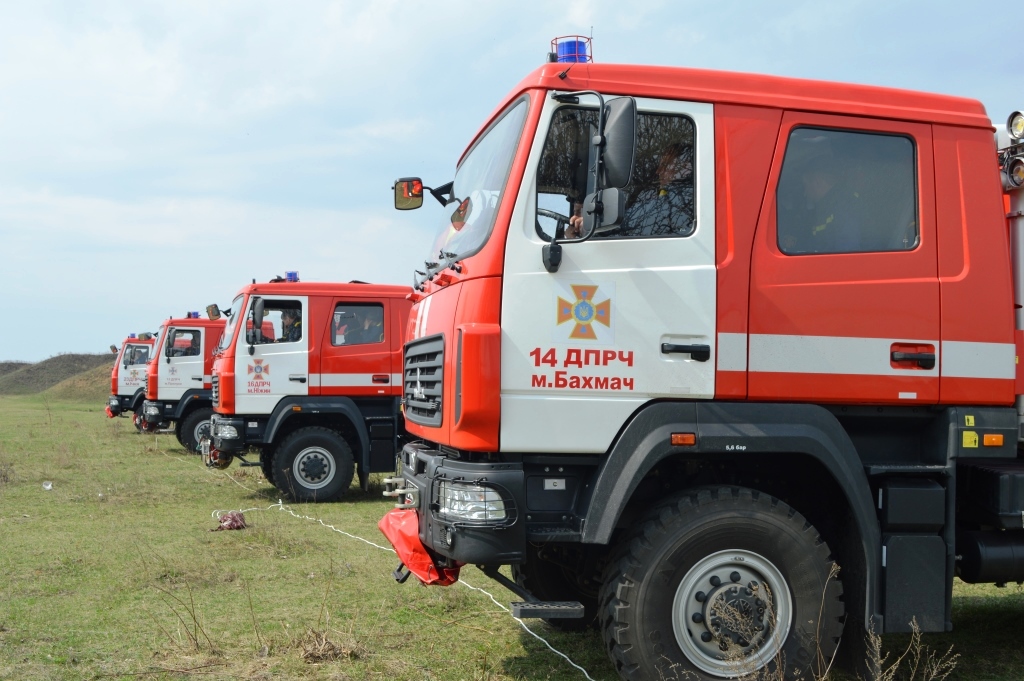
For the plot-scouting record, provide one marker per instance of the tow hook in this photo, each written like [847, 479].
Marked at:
[401, 573]
[408, 497]
[213, 457]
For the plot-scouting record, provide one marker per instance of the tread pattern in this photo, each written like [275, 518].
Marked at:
[637, 549]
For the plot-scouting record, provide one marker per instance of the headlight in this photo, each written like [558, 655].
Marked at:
[114, 402]
[1015, 125]
[225, 431]
[152, 410]
[1014, 173]
[470, 502]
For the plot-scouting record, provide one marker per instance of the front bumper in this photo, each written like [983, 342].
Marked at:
[157, 411]
[118, 404]
[453, 539]
[228, 433]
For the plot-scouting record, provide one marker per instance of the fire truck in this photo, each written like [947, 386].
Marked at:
[688, 339]
[318, 397]
[128, 377]
[178, 391]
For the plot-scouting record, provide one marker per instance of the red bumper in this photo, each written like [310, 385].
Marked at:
[109, 412]
[402, 528]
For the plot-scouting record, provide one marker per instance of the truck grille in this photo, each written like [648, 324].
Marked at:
[424, 371]
[215, 390]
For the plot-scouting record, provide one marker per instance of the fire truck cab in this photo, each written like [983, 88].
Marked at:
[128, 377]
[318, 398]
[687, 340]
[178, 390]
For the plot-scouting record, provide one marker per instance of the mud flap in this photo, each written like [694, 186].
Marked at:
[401, 527]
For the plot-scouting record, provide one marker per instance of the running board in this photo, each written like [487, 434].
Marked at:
[547, 609]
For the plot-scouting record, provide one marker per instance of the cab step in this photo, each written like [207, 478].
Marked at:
[547, 609]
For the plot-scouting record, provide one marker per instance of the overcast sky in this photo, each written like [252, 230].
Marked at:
[156, 156]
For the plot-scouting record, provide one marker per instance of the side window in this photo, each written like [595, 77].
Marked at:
[847, 192]
[357, 324]
[660, 196]
[186, 342]
[139, 354]
[282, 321]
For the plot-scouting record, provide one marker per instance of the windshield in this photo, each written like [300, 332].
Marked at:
[479, 183]
[229, 327]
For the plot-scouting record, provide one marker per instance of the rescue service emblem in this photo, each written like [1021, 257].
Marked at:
[259, 378]
[584, 312]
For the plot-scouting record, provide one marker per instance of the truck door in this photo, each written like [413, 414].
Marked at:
[182, 362]
[357, 353]
[279, 364]
[131, 373]
[844, 298]
[630, 314]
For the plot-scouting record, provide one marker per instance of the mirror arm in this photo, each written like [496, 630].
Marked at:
[441, 192]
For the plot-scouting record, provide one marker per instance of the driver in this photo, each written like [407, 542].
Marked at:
[291, 326]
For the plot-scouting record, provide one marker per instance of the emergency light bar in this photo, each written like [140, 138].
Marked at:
[570, 49]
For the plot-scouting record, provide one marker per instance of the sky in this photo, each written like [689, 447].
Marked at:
[157, 156]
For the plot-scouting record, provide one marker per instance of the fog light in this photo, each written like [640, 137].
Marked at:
[470, 502]
[1015, 172]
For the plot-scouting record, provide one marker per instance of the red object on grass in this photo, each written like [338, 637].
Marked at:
[232, 520]
[401, 527]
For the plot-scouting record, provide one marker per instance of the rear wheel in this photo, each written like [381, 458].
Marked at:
[721, 583]
[193, 428]
[313, 464]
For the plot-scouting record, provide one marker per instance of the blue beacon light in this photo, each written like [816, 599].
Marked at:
[132, 335]
[291, 276]
[572, 49]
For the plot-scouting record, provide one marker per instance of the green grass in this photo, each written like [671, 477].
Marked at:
[101, 575]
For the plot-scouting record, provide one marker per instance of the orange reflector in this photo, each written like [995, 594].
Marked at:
[684, 439]
[296, 408]
[994, 440]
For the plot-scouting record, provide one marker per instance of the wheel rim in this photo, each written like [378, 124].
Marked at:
[722, 620]
[201, 430]
[314, 467]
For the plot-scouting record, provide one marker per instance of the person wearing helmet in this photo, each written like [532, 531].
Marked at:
[291, 326]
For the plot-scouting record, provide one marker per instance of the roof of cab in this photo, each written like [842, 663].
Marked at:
[727, 87]
[303, 288]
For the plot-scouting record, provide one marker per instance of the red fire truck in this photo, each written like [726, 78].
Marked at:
[178, 378]
[687, 338]
[128, 377]
[318, 398]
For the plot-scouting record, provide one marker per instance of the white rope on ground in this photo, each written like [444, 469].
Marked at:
[281, 507]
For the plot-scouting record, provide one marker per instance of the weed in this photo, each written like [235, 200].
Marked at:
[188, 616]
[922, 663]
[6, 473]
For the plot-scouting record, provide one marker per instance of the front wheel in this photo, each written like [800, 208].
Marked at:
[718, 583]
[137, 419]
[194, 428]
[313, 464]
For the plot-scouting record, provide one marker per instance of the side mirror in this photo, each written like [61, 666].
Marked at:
[619, 141]
[408, 193]
[603, 210]
[212, 311]
[257, 324]
[169, 347]
[113, 349]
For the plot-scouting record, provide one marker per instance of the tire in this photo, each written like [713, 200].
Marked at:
[192, 428]
[658, 615]
[551, 581]
[313, 464]
[137, 418]
[267, 464]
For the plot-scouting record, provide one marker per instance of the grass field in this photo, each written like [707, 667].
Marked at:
[113, 573]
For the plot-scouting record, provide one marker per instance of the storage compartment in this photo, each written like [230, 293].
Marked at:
[915, 582]
[991, 491]
[912, 505]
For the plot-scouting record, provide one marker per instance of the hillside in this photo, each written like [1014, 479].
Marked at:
[92, 385]
[8, 367]
[35, 378]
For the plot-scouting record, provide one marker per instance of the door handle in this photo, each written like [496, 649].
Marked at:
[381, 378]
[925, 360]
[700, 353]
[298, 378]
[197, 378]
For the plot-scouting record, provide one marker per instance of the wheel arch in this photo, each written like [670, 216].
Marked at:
[787, 436]
[320, 412]
[190, 400]
[137, 399]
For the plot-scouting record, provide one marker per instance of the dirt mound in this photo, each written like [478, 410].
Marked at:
[92, 385]
[35, 378]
